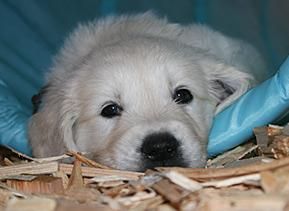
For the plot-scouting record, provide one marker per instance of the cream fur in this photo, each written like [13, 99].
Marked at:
[138, 61]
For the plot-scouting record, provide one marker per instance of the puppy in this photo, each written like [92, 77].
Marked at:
[139, 92]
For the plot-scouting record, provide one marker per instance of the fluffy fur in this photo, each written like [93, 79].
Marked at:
[138, 62]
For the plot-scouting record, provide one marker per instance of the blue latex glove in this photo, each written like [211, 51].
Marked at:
[13, 121]
[259, 106]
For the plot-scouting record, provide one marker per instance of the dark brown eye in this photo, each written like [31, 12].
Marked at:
[183, 96]
[111, 110]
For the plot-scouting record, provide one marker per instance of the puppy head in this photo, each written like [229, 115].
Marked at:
[136, 104]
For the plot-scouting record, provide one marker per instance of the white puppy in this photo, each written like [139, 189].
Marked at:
[139, 92]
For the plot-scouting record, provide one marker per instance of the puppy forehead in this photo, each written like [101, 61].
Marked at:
[149, 69]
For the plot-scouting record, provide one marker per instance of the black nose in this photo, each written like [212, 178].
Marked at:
[161, 149]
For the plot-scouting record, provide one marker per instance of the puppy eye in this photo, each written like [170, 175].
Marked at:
[111, 111]
[183, 96]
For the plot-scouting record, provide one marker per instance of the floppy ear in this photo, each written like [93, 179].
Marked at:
[51, 128]
[226, 83]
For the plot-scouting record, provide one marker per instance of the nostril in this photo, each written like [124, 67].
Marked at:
[159, 147]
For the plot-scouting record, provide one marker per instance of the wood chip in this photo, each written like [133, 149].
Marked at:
[137, 197]
[147, 204]
[50, 159]
[76, 186]
[268, 182]
[5, 195]
[285, 130]
[65, 205]
[183, 181]
[274, 130]
[12, 191]
[110, 184]
[76, 179]
[19, 154]
[29, 168]
[262, 138]
[232, 155]
[232, 181]
[83, 195]
[243, 202]
[19, 177]
[227, 172]
[170, 192]
[31, 204]
[275, 181]
[64, 178]
[87, 161]
[165, 207]
[110, 178]
[42, 184]
[280, 146]
[8, 162]
[93, 172]
[115, 191]
[245, 162]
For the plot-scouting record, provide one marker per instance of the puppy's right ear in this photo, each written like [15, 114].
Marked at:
[51, 129]
[226, 82]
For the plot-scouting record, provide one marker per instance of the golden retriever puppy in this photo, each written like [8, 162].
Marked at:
[139, 92]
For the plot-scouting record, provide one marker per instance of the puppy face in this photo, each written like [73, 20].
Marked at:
[135, 103]
[146, 105]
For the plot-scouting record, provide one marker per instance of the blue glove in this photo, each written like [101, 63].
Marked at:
[259, 106]
[13, 121]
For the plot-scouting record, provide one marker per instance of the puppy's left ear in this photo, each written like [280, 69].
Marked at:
[226, 83]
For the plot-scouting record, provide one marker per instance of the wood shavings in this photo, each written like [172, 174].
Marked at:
[227, 172]
[138, 196]
[19, 177]
[110, 184]
[110, 178]
[232, 155]
[232, 181]
[165, 207]
[41, 184]
[76, 179]
[93, 172]
[29, 168]
[31, 204]
[50, 159]
[275, 181]
[249, 177]
[244, 162]
[171, 192]
[262, 138]
[183, 181]
[86, 161]
[244, 202]
[280, 146]
[277, 141]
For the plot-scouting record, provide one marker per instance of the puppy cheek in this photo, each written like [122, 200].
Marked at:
[92, 135]
[201, 112]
